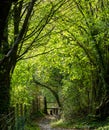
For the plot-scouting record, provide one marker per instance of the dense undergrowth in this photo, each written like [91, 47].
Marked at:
[32, 123]
[82, 124]
[32, 126]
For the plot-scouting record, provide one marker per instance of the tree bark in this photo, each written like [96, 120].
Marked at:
[4, 93]
[5, 6]
[5, 77]
[102, 111]
[45, 106]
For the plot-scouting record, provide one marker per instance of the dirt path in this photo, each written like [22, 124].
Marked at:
[44, 124]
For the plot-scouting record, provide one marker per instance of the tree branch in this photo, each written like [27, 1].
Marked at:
[52, 91]
[21, 58]
[22, 31]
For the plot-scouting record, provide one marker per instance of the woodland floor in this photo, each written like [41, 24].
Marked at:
[44, 124]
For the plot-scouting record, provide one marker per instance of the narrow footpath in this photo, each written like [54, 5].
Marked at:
[44, 124]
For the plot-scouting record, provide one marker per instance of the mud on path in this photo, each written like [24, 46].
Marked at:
[44, 124]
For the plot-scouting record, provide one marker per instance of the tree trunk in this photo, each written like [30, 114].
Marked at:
[4, 93]
[5, 78]
[7, 65]
[45, 106]
[5, 6]
[102, 111]
[57, 98]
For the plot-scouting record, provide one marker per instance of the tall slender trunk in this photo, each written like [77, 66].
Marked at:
[57, 99]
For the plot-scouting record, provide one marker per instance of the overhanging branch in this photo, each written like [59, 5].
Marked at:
[49, 88]
[21, 58]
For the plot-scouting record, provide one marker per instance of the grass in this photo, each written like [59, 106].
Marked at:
[82, 124]
[32, 126]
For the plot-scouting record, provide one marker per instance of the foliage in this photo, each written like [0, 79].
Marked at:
[81, 56]
[23, 90]
[86, 34]
[68, 42]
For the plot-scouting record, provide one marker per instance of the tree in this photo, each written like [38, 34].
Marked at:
[83, 30]
[90, 33]
[52, 82]
[19, 36]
